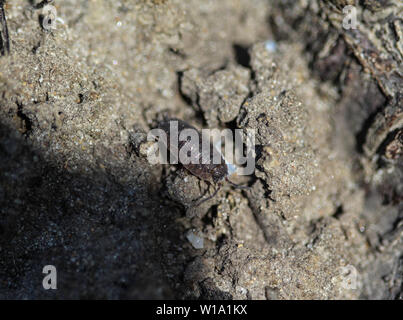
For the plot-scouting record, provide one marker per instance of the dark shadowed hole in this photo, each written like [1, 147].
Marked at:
[339, 211]
[242, 55]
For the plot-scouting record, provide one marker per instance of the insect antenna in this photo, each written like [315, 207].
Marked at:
[237, 185]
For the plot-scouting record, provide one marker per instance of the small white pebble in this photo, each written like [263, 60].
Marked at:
[231, 168]
[241, 290]
[270, 46]
[196, 241]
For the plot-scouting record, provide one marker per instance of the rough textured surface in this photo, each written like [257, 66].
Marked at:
[77, 191]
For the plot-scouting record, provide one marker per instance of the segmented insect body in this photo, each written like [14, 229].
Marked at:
[205, 170]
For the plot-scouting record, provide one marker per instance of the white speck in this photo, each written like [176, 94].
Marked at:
[231, 168]
[241, 290]
[115, 62]
[58, 19]
[167, 93]
[196, 241]
[119, 24]
[270, 46]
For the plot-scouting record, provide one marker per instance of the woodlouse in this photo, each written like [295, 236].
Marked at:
[208, 171]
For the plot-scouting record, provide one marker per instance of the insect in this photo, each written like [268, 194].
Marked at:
[205, 169]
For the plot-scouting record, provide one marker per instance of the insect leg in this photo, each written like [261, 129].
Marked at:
[199, 198]
[237, 185]
[4, 37]
[200, 201]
